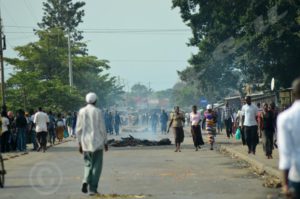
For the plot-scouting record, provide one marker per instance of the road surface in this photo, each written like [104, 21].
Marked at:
[149, 172]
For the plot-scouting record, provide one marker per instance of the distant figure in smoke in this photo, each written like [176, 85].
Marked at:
[154, 121]
[163, 121]
[110, 123]
[117, 123]
[106, 119]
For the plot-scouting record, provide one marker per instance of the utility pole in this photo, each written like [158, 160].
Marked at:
[70, 61]
[2, 47]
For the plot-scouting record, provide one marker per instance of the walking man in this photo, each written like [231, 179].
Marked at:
[228, 115]
[21, 128]
[92, 138]
[41, 120]
[249, 122]
[289, 144]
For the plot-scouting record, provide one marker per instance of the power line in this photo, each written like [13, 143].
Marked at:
[117, 29]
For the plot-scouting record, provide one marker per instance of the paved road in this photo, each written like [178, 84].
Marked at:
[158, 173]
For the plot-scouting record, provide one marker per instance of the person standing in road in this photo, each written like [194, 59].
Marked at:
[154, 121]
[69, 121]
[249, 112]
[21, 128]
[195, 119]
[239, 122]
[74, 121]
[267, 128]
[117, 123]
[110, 123]
[41, 121]
[219, 121]
[289, 144]
[275, 111]
[210, 120]
[32, 130]
[163, 121]
[5, 134]
[51, 128]
[259, 121]
[228, 115]
[60, 128]
[177, 120]
[92, 138]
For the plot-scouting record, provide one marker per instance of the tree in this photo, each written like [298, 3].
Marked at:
[41, 70]
[63, 14]
[140, 90]
[255, 38]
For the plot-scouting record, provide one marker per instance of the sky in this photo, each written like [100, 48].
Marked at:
[149, 58]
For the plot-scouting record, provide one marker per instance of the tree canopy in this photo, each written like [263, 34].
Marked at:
[241, 42]
[41, 70]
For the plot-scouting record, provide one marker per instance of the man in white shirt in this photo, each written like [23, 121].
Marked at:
[92, 138]
[249, 112]
[289, 144]
[41, 121]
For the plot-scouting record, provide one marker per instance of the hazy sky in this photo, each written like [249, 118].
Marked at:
[151, 57]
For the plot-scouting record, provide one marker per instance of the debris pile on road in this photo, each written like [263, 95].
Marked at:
[131, 141]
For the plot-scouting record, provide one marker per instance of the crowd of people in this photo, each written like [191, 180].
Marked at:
[91, 127]
[35, 127]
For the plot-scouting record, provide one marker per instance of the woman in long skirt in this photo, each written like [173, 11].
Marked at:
[210, 119]
[195, 118]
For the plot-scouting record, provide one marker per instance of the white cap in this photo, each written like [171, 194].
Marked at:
[91, 98]
[209, 106]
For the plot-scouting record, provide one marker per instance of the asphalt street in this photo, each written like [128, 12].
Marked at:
[141, 172]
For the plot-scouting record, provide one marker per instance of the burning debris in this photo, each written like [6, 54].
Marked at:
[131, 141]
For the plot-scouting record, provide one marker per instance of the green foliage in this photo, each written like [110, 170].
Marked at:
[183, 95]
[242, 41]
[41, 71]
[140, 90]
[63, 14]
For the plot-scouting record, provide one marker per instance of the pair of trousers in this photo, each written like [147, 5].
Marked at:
[5, 146]
[70, 131]
[21, 139]
[117, 129]
[243, 135]
[268, 141]
[295, 188]
[228, 124]
[251, 138]
[93, 162]
[164, 127]
[42, 139]
[33, 140]
[52, 135]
